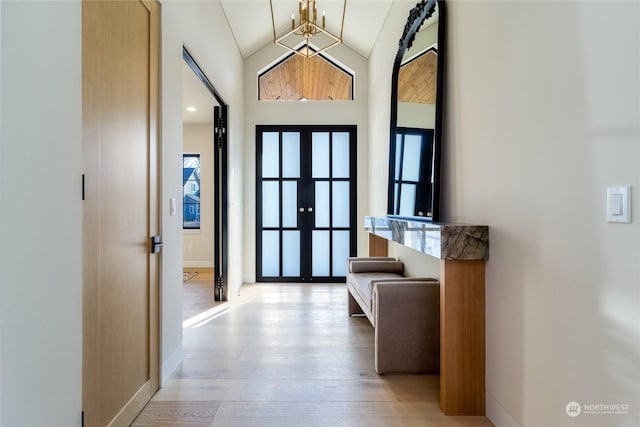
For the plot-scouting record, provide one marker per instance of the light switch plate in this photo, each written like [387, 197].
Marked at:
[619, 204]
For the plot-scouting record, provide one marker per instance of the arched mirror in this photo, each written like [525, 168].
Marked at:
[416, 114]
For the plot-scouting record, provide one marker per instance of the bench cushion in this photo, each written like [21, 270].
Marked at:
[360, 284]
[377, 266]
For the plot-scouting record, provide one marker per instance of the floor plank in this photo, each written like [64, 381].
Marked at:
[288, 355]
[178, 413]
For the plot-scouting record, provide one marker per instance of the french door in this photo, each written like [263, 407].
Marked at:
[305, 207]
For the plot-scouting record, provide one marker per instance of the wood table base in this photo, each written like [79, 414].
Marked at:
[378, 246]
[462, 337]
[462, 332]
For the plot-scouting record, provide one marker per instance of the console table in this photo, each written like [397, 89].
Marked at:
[463, 251]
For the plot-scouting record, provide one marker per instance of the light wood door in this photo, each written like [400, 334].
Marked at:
[120, 301]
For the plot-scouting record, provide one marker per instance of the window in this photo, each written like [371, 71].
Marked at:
[191, 191]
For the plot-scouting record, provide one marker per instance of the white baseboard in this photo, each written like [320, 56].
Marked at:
[498, 415]
[248, 278]
[197, 264]
[171, 364]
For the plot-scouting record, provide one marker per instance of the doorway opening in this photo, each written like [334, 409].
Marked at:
[204, 171]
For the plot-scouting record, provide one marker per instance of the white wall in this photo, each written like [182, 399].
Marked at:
[301, 113]
[198, 244]
[41, 219]
[41, 246]
[202, 27]
[538, 124]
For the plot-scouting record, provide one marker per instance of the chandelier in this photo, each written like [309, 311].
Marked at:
[305, 29]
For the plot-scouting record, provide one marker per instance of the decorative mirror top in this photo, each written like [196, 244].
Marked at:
[417, 16]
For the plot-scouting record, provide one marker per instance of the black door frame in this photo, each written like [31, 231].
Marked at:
[220, 252]
[306, 198]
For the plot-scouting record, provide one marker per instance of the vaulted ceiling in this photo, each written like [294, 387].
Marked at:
[250, 21]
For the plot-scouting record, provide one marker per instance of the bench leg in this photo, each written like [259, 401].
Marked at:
[354, 307]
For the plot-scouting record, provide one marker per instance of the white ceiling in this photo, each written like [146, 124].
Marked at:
[250, 21]
[195, 94]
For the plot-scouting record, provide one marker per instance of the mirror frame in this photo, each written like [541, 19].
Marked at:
[417, 16]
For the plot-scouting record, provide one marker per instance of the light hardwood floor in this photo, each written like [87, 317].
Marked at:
[198, 293]
[287, 355]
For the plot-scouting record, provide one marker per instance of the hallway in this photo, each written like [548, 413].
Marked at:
[288, 355]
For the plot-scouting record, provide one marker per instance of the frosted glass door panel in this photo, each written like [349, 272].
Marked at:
[340, 155]
[270, 155]
[340, 204]
[322, 204]
[407, 199]
[290, 204]
[271, 253]
[320, 253]
[270, 204]
[291, 154]
[291, 253]
[398, 156]
[320, 155]
[340, 252]
[411, 158]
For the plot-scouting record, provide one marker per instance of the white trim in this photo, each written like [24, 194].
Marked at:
[498, 415]
[249, 278]
[197, 264]
[171, 364]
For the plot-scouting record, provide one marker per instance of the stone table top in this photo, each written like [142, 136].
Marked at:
[446, 241]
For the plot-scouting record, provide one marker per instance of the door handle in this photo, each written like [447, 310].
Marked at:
[301, 209]
[156, 244]
[309, 209]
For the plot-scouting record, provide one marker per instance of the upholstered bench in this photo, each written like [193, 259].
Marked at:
[405, 313]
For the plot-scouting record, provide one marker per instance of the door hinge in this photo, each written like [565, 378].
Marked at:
[220, 130]
[83, 187]
[220, 288]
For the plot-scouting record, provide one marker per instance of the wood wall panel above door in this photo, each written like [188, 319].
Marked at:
[418, 79]
[314, 79]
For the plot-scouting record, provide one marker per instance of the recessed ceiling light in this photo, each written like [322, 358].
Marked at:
[192, 109]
